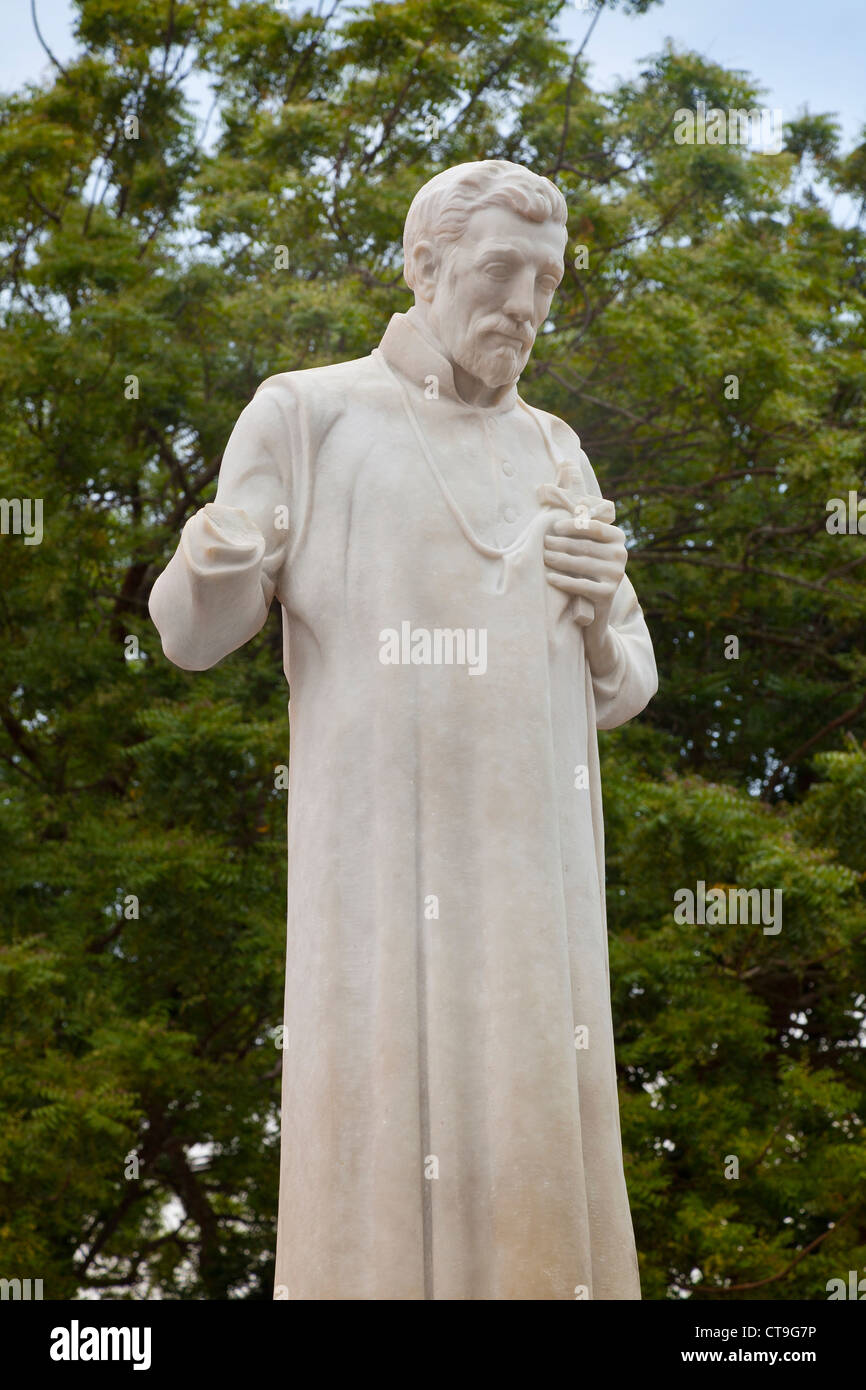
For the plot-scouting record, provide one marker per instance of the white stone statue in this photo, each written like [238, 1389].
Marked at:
[457, 624]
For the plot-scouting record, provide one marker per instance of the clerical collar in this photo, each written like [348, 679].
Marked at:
[407, 348]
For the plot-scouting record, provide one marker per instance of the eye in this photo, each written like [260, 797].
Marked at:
[497, 270]
[547, 284]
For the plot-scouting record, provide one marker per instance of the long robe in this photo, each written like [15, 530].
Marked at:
[450, 1125]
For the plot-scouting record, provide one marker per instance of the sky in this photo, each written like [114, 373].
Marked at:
[804, 53]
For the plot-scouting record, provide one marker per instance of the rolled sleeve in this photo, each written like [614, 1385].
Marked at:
[628, 685]
[215, 592]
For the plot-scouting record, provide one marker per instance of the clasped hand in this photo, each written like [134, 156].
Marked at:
[588, 563]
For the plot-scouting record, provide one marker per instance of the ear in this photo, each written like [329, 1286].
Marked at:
[426, 270]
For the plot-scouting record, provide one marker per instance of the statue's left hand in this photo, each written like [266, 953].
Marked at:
[588, 564]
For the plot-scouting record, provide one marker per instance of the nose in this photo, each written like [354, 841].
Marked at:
[520, 302]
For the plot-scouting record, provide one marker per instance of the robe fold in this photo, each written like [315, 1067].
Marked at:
[450, 1125]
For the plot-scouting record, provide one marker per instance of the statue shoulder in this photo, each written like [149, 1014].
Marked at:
[331, 379]
[563, 437]
[316, 395]
[566, 445]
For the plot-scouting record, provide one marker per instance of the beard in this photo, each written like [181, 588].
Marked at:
[485, 353]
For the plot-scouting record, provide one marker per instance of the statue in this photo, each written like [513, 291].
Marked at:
[457, 623]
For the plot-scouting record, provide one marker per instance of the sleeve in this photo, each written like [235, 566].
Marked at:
[215, 592]
[630, 683]
[630, 678]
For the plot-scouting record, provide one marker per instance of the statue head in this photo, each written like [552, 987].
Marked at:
[483, 250]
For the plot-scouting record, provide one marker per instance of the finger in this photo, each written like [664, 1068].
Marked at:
[565, 526]
[584, 566]
[570, 584]
[594, 530]
[577, 545]
[583, 611]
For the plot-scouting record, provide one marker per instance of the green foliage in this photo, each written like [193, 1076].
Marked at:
[739, 1043]
[142, 852]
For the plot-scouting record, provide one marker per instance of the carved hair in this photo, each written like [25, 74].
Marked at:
[440, 210]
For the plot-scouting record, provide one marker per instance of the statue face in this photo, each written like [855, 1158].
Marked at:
[493, 291]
